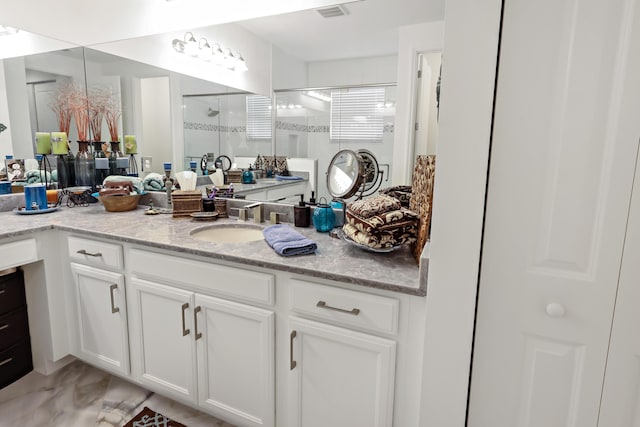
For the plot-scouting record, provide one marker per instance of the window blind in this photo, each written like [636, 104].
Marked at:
[258, 117]
[356, 114]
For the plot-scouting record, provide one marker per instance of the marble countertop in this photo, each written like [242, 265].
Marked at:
[334, 260]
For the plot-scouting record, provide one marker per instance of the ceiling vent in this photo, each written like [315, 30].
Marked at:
[333, 11]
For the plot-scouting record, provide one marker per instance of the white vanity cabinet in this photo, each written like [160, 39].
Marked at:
[199, 348]
[340, 377]
[99, 305]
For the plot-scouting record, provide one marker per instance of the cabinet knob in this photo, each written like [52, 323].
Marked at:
[555, 309]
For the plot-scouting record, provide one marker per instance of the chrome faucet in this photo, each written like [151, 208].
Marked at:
[257, 211]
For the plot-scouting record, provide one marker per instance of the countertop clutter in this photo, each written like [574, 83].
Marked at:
[333, 260]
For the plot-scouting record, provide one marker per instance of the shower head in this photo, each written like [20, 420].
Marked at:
[212, 112]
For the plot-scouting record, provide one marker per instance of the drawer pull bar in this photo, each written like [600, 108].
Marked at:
[185, 331]
[84, 252]
[195, 321]
[292, 363]
[112, 288]
[3, 327]
[353, 311]
[5, 361]
[2, 291]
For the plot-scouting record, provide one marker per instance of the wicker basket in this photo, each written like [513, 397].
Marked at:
[186, 202]
[221, 208]
[120, 203]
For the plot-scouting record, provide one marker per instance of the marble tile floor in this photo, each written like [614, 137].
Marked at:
[80, 395]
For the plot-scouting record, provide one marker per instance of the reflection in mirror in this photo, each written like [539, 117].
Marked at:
[319, 122]
[236, 125]
[427, 103]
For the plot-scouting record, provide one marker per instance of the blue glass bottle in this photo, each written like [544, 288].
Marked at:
[323, 217]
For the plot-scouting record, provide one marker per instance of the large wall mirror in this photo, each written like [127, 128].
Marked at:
[320, 122]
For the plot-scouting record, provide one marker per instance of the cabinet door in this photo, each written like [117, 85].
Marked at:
[235, 344]
[101, 317]
[339, 377]
[162, 344]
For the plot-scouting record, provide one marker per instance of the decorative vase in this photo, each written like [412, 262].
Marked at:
[84, 165]
[66, 170]
[323, 217]
[101, 164]
[117, 162]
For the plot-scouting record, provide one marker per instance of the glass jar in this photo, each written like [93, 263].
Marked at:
[101, 164]
[84, 165]
[323, 217]
[66, 170]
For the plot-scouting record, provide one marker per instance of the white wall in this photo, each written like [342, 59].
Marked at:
[468, 75]
[413, 39]
[19, 124]
[356, 71]
[6, 146]
[288, 72]
[156, 120]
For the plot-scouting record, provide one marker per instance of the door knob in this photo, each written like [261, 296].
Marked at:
[555, 309]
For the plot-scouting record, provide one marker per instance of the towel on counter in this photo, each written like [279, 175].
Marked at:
[382, 222]
[153, 182]
[371, 206]
[381, 240]
[288, 178]
[400, 192]
[287, 242]
[35, 176]
[136, 182]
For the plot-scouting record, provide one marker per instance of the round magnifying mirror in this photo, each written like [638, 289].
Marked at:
[345, 174]
[222, 162]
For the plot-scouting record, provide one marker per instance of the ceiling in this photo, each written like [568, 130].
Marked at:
[85, 22]
[370, 28]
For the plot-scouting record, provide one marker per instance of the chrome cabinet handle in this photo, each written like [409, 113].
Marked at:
[5, 361]
[84, 252]
[195, 321]
[3, 327]
[185, 331]
[112, 288]
[353, 311]
[292, 363]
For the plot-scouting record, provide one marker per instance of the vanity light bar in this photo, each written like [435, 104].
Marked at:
[223, 57]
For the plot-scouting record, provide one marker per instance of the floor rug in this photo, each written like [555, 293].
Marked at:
[149, 418]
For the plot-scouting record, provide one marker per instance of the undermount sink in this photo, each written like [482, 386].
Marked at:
[229, 233]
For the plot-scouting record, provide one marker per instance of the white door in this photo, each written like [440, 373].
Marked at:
[562, 160]
[162, 338]
[338, 377]
[102, 318]
[620, 406]
[236, 366]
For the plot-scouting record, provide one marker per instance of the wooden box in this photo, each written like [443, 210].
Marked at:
[186, 202]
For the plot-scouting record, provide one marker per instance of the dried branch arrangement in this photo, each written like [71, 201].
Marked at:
[79, 106]
[60, 104]
[98, 100]
[112, 113]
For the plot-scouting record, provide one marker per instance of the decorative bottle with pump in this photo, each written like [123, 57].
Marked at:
[301, 213]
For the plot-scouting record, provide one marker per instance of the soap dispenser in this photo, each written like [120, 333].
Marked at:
[301, 213]
[247, 176]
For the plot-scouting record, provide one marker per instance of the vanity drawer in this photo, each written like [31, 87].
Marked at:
[198, 276]
[18, 253]
[95, 253]
[14, 327]
[346, 307]
[12, 293]
[15, 362]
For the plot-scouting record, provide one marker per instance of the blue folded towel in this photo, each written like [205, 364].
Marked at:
[287, 242]
[288, 178]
